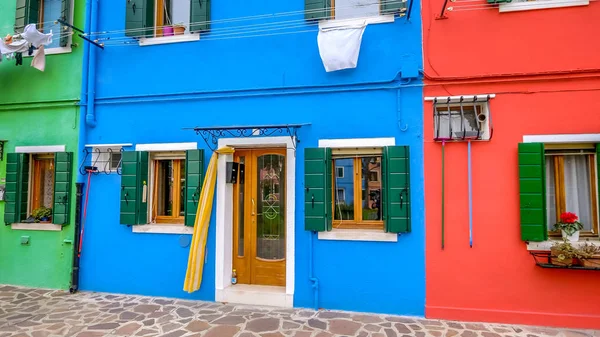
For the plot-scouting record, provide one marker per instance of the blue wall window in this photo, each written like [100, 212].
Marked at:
[172, 17]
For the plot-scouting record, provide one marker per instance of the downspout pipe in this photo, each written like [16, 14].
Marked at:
[311, 276]
[90, 117]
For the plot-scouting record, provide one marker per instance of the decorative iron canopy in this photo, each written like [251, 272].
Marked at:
[211, 135]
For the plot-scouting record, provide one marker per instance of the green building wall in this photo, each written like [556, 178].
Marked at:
[39, 108]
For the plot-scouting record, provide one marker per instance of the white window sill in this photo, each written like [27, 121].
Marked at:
[546, 245]
[358, 235]
[51, 51]
[163, 229]
[169, 39]
[36, 227]
[339, 23]
[540, 4]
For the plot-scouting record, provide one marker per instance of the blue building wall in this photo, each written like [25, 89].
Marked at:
[148, 94]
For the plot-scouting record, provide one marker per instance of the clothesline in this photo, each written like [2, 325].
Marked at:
[13, 46]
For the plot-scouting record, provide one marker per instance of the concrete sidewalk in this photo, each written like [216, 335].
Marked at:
[26, 312]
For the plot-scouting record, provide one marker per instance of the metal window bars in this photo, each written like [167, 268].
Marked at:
[471, 122]
[101, 160]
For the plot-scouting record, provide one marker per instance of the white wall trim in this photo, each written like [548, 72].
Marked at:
[40, 149]
[109, 145]
[466, 98]
[167, 146]
[36, 227]
[255, 295]
[358, 235]
[563, 138]
[224, 216]
[168, 39]
[357, 142]
[546, 245]
[540, 4]
[163, 229]
[340, 23]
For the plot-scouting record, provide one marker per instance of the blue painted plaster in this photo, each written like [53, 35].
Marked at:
[148, 94]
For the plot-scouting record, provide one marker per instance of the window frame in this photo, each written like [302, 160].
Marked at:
[56, 50]
[479, 108]
[178, 157]
[539, 4]
[553, 151]
[358, 222]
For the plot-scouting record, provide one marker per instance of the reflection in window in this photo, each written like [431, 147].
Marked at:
[344, 206]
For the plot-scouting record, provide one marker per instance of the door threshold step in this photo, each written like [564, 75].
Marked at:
[256, 295]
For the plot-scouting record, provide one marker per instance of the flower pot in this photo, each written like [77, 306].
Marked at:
[591, 262]
[179, 30]
[565, 262]
[167, 31]
[571, 238]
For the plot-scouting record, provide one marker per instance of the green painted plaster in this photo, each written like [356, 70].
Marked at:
[39, 108]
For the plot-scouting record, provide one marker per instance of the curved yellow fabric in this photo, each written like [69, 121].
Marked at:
[193, 276]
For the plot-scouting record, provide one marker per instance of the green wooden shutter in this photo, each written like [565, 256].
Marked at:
[396, 189]
[27, 12]
[318, 189]
[24, 190]
[63, 168]
[12, 195]
[199, 15]
[66, 16]
[194, 176]
[139, 14]
[134, 188]
[317, 9]
[532, 191]
[392, 7]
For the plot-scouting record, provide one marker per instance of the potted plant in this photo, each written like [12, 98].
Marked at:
[179, 28]
[563, 254]
[589, 255]
[42, 214]
[569, 226]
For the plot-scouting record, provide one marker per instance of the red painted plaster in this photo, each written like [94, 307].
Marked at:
[480, 52]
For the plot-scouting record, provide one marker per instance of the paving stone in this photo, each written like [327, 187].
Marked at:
[377, 335]
[415, 327]
[399, 319]
[315, 323]
[302, 334]
[104, 326]
[90, 334]
[390, 333]
[272, 334]
[333, 314]
[401, 328]
[146, 332]
[290, 325]
[184, 312]
[467, 333]
[229, 320]
[372, 327]
[146, 308]
[263, 324]
[222, 331]
[324, 334]
[149, 322]
[386, 325]
[455, 325]
[451, 333]
[176, 333]
[128, 315]
[40, 333]
[475, 326]
[490, 334]
[195, 326]
[367, 319]
[343, 327]
[128, 329]
[170, 327]
[363, 334]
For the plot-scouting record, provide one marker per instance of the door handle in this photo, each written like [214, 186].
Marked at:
[253, 205]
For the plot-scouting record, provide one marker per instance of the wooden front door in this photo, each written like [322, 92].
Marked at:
[259, 237]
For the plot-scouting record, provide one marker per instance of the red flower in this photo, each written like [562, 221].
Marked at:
[568, 217]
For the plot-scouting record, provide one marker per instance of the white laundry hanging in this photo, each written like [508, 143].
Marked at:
[339, 46]
[33, 36]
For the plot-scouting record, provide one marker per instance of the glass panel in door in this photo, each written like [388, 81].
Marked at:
[270, 207]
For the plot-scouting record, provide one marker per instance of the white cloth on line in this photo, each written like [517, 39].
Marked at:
[33, 36]
[19, 46]
[339, 46]
[39, 59]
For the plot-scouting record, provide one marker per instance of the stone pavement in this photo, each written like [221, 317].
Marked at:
[26, 312]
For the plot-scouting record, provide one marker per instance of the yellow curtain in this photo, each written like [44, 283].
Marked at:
[193, 276]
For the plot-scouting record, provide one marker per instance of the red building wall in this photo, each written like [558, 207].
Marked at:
[544, 68]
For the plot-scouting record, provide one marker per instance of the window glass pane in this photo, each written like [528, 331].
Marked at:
[339, 172]
[115, 159]
[270, 207]
[242, 190]
[371, 187]
[165, 188]
[180, 11]
[43, 181]
[577, 188]
[52, 11]
[550, 193]
[347, 9]
[344, 207]
[465, 124]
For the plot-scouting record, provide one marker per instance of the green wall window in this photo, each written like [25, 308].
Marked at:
[44, 14]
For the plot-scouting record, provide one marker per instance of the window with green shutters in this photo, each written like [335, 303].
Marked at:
[45, 15]
[349, 9]
[373, 192]
[37, 181]
[553, 179]
[161, 187]
[169, 19]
